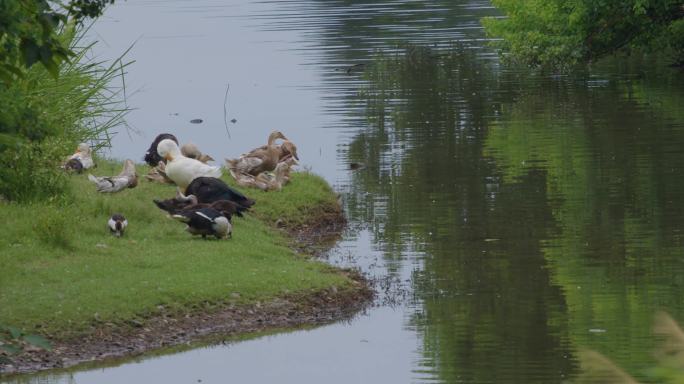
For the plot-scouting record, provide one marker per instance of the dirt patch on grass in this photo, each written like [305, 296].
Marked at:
[137, 336]
[320, 233]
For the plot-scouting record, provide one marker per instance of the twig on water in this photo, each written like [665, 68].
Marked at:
[225, 111]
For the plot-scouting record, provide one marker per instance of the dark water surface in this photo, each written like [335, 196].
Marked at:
[512, 219]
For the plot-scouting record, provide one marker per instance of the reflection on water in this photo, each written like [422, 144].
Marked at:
[548, 210]
[527, 215]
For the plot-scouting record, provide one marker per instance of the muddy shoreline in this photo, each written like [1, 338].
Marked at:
[114, 341]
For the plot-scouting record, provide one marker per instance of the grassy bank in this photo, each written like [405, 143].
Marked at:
[63, 274]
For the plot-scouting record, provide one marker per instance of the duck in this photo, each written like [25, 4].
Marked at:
[152, 158]
[117, 223]
[181, 202]
[110, 184]
[291, 162]
[259, 159]
[183, 170]
[286, 150]
[74, 165]
[265, 181]
[84, 154]
[211, 189]
[205, 222]
[190, 150]
[158, 174]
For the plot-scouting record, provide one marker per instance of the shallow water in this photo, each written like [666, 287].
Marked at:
[511, 219]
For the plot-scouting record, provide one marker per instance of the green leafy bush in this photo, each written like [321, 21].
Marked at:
[35, 173]
[562, 33]
[29, 32]
[43, 118]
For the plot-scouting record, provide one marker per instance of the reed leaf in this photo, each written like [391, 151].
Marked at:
[45, 117]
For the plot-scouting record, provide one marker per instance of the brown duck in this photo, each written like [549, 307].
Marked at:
[260, 159]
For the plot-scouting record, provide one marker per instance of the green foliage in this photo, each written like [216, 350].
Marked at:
[676, 33]
[80, 9]
[44, 117]
[562, 33]
[29, 33]
[35, 173]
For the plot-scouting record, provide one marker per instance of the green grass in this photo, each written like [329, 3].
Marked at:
[306, 196]
[62, 272]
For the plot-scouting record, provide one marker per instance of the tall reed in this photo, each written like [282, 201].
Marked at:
[45, 117]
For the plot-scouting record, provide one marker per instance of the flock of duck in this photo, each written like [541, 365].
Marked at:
[204, 202]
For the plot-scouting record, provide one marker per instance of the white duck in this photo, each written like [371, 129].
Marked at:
[182, 170]
[84, 154]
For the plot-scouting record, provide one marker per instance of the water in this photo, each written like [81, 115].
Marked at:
[513, 219]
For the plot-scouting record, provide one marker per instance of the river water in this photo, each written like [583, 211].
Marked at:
[512, 219]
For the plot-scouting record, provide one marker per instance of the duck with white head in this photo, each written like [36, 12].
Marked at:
[183, 170]
[81, 159]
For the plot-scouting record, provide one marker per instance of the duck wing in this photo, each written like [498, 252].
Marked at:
[211, 171]
[110, 184]
[184, 170]
[249, 163]
[228, 208]
[249, 181]
[87, 161]
[210, 189]
[199, 221]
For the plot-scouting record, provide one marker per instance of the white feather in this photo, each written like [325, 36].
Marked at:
[127, 178]
[183, 170]
[222, 226]
[110, 184]
[84, 155]
[205, 216]
[180, 218]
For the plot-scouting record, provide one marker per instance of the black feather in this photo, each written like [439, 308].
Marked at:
[151, 156]
[211, 189]
[200, 221]
[74, 165]
[226, 207]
